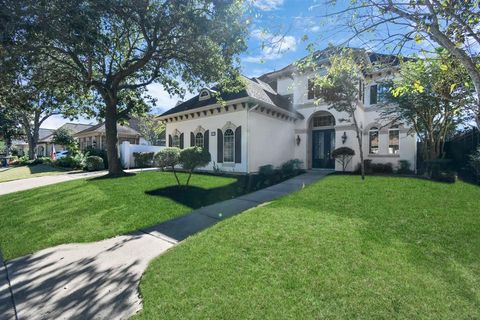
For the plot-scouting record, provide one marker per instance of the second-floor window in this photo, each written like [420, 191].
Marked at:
[378, 92]
[313, 91]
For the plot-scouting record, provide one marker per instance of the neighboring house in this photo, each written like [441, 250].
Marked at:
[275, 119]
[95, 136]
[45, 136]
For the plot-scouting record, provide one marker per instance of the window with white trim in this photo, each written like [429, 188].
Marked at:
[373, 140]
[394, 141]
[199, 140]
[228, 146]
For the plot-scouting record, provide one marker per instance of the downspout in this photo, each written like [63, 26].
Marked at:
[248, 138]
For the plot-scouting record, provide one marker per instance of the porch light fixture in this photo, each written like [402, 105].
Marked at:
[298, 140]
[344, 137]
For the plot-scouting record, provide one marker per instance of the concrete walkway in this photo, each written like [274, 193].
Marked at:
[30, 183]
[100, 280]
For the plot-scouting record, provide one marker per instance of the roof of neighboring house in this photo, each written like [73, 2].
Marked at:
[44, 135]
[254, 88]
[72, 127]
[100, 128]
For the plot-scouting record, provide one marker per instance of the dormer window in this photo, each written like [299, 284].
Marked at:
[204, 95]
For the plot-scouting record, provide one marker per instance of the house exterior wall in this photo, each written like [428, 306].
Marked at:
[270, 141]
[212, 123]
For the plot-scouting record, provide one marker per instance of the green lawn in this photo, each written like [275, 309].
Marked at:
[386, 248]
[23, 172]
[94, 209]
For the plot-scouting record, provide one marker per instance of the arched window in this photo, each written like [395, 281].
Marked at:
[394, 140]
[199, 140]
[373, 140]
[176, 141]
[229, 146]
[323, 120]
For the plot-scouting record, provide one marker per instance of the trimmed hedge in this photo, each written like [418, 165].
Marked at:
[94, 163]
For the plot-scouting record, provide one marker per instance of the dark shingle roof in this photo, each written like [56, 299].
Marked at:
[254, 88]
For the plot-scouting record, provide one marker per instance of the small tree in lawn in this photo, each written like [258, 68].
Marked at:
[339, 89]
[169, 158]
[343, 155]
[192, 158]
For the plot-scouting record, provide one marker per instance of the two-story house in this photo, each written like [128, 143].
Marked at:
[275, 119]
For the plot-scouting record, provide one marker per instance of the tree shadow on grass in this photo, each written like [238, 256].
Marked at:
[196, 197]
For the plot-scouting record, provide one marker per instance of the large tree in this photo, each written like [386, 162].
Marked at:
[392, 25]
[430, 95]
[34, 91]
[116, 48]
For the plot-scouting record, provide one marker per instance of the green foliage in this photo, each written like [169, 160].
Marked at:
[91, 151]
[151, 129]
[475, 163]
[404, 167]
[291, 168]
[64, 137]
[94, 163]
[430, 95]
[143, 159]
[78, 161]
[192, 158]
[168, 157]
[343, 155]
[3, 147]
[172, 43]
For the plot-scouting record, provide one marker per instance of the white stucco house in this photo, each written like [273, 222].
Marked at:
[275, 119]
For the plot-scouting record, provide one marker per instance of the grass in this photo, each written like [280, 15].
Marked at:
[94, 209]
[23, 172]
[340, 249]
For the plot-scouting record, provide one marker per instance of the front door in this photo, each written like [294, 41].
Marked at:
[323, 143]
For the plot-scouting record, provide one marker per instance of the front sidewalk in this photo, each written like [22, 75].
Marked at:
[99, 280]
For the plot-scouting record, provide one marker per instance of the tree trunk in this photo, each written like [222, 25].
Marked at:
[359, 139]
[32, 139]
[114, 165]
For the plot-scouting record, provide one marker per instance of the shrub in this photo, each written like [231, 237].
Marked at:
[192, 158]
[448, 176]
[404, 167]
[94, 163]
[143, 159]
[368, 166]
[41, 160]
[474, 163]
[99, 153]
[65, 162]
[169, 157]
[291, 168]
[381, 167]
[343, 155]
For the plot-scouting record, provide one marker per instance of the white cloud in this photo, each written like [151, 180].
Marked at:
[315, 29]
[273, 46]
[267, 5]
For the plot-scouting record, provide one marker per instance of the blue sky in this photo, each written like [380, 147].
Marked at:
[280, 26]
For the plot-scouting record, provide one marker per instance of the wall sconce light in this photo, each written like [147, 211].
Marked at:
[298, 140]
[344, 137]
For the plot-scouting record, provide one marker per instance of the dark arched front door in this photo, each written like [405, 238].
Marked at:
[323, 143]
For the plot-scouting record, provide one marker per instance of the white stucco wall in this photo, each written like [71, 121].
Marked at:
[270, 140]
[212, 123]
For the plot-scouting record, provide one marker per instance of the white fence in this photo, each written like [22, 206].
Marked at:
[127, 150]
